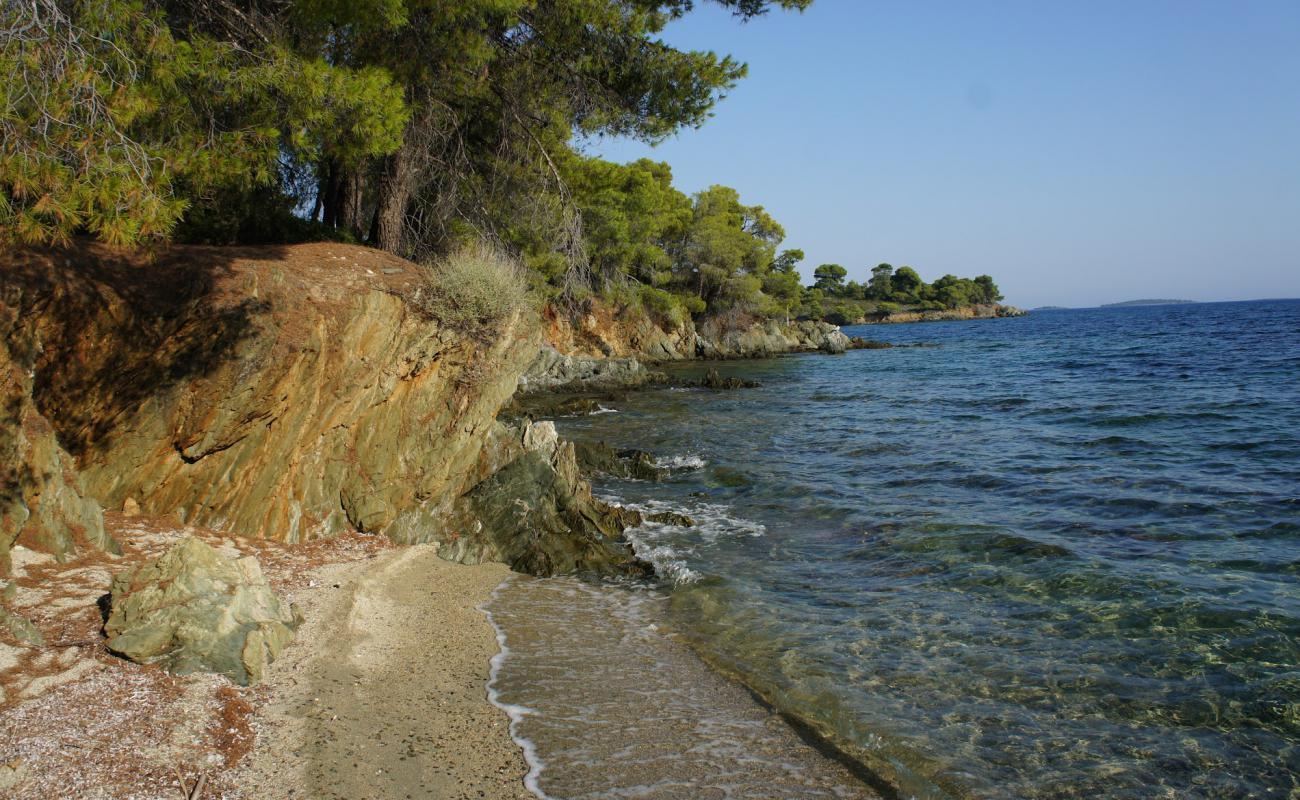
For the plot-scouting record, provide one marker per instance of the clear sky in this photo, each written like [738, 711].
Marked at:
[1078, 152]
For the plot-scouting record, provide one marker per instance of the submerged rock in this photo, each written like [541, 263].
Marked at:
[192, 609]
[858, 343]
[712, 380]
[671, 518]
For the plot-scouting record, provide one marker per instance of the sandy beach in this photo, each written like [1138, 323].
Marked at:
[382, 696]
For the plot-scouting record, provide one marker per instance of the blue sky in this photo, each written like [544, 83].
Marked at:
[1079, 152]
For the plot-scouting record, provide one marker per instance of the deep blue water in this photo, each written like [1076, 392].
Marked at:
[1055, 556]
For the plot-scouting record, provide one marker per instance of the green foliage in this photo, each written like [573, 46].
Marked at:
[905, 284]
[113, 123]
[664, 305]
[830, 278]
[418, 126]
[893, 290]
[631, 215]
[881, 285]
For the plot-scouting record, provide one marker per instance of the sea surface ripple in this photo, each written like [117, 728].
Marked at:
[1047, 557]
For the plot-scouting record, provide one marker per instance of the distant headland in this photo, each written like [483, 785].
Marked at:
[1149, 302]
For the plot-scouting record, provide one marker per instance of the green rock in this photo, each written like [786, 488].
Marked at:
[672, 518]
[194, 610]
[598, 457]
[21, 628]
[538, 515]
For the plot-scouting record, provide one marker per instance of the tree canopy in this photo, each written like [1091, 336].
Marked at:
[409, 125]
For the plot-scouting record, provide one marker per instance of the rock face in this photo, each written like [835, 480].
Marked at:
[603, 335]
[989, 311]
[288, 393]
[765, 338]
[192, 610]
[278, 392]
[554, 371]
[42, 502]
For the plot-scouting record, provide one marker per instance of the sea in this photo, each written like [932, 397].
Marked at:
[1055, 556]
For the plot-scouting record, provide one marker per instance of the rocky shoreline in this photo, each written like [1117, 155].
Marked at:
[196, 460]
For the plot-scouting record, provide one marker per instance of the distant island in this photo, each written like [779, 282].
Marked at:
[1149, 302]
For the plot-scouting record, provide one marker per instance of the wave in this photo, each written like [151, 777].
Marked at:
[681, 462]
[516, 713]
[667, 548]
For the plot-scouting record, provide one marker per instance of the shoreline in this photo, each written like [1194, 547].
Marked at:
[383, 694]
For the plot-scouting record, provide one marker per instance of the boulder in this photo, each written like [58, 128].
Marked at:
[538, 515]
[192, 609]
[598, 457]
[671, 518]
[712, 380]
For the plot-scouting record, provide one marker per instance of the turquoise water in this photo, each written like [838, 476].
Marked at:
[1048, 557]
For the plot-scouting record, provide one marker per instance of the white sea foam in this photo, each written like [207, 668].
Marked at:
[681, 462]
[668, 547]
[515, 712]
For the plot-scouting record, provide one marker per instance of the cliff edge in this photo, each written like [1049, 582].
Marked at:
[289, 393]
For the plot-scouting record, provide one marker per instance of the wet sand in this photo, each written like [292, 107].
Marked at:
[382, 693]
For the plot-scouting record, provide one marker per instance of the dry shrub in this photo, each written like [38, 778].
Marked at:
[473, 290]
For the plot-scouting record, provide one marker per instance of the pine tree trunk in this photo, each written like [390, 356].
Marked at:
[396, 186]
[352, 191]
[328, 194]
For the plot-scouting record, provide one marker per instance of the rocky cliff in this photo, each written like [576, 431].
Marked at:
[603, 347]
[288, 393]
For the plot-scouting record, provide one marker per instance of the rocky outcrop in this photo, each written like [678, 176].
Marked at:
[600, 458]
[554, 371]
[764, 338]
[290, 393]
[603, 351]
[537, 514]
[601, 330]
[990, 311]
[601, 333]
[193, 609]
[278, 392]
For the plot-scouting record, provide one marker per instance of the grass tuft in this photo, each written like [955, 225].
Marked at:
[474, 290]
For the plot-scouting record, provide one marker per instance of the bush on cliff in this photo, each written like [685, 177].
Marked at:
[474, 290]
